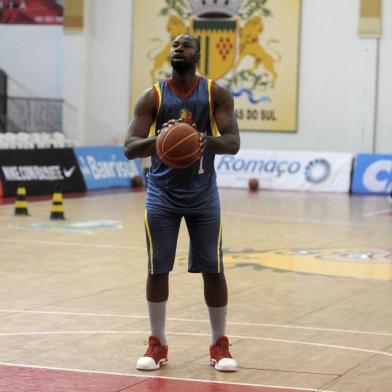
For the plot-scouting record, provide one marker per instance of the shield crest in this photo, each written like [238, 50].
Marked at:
[218, 41]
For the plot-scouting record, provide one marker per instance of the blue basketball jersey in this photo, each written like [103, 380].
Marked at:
[184, 190]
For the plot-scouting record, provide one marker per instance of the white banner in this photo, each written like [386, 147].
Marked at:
[286, 170]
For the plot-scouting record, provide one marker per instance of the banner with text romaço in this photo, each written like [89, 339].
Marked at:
[41, 12]
[248, 46]
[286, 170]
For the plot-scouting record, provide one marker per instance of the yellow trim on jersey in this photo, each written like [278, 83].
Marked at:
[150, 242]
[214, 127]
[152, 129]
[153, 126]
[218, 246]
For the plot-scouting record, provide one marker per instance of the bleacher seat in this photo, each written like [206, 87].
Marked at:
[41, 139]
[10, 139]
[24, 141]
[59, 140]
[3, 143]
[28, 140]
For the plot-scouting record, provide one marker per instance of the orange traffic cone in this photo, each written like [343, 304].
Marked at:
[21, 202]
[57, 211]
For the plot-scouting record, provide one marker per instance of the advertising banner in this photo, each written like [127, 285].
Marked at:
[372, 174]
[40, 171]
[47, 12]
[286, 170]
[248, 46]
[106, 167]
[3, 100]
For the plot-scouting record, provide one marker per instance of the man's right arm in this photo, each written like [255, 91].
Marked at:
[137, 143]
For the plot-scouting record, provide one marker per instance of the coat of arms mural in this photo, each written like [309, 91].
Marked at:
[248, 46]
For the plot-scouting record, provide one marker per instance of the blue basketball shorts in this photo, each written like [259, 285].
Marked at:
[205, 233]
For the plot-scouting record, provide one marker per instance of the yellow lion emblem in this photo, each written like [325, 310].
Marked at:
[250, 46]
[175, 27]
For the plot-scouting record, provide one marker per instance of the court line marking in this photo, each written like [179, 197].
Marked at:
[287, 326]
[375, 213]
[60, 243]
[299, 342]
[160, 377]
[68, 198]
[300, 221]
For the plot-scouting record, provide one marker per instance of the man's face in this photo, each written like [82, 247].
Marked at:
[183, 53]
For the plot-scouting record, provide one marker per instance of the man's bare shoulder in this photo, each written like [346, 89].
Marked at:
[147, 101]
[222, 95]
[148, 95]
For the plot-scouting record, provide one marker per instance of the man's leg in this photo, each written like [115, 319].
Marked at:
[215, 295]
[161, 235]
[157, 293]
[205, 255]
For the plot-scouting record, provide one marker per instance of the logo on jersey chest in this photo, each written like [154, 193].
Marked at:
[186, 115]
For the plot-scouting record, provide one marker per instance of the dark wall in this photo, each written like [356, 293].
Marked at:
[3, 100]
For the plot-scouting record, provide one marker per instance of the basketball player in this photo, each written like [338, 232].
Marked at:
[190, 193]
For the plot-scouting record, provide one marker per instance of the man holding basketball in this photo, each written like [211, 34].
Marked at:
[191, 193]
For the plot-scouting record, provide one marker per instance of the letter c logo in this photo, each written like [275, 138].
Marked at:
[378, 176]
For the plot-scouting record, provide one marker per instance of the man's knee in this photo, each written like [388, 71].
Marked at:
[157, 288]
[215, 289]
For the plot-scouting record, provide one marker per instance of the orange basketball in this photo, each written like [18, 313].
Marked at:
[178, 145]
[137, 182]
[253, 184]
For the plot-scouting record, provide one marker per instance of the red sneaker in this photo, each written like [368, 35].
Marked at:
[154, 357]
[221, 357]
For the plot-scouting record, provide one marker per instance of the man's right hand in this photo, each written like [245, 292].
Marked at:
[167, 124]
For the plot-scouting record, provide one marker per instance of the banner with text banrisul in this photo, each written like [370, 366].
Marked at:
[106, 167]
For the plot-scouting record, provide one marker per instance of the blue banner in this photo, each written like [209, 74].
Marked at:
[106, 167]
[372, 174]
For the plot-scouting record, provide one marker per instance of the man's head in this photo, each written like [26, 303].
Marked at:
[185, 52]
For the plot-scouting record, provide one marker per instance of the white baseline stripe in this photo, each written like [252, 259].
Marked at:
[53, 333]
[159, 377]
[187, 320]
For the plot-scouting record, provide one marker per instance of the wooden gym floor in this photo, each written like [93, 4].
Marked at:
[310, 296]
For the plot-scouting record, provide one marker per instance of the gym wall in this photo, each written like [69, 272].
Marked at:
[345, 88]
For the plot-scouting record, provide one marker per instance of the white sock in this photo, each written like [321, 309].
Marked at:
[157, 313]
[218, 322]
